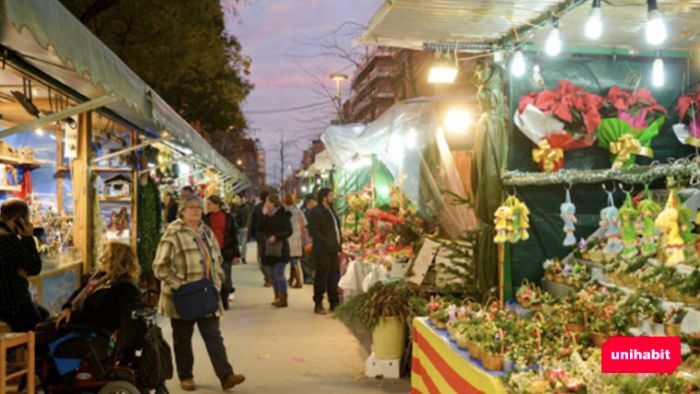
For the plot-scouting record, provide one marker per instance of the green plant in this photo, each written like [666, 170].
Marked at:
[460, 274]
[149, 223]
[393, 299]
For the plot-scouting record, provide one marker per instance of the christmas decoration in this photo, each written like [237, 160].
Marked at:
[511, 221]
[667, 223]
[648, 209]
[627, 216]
[568, 214]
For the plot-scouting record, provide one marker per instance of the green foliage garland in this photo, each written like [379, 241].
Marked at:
[150, 219]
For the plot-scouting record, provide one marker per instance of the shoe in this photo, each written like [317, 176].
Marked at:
[267, 284]
[243, 261]
[232, 380]
[188, 385]
[319, 310]
[277, 299]
[232, 297]
[281, 302]
[332, 308]
[297, 286]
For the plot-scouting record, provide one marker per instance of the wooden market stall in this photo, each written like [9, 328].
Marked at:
[76, 122]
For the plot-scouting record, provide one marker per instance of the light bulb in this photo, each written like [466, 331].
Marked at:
[457, 120]
[594, 24]
[657, 73]
[517, 65]
[553, 45]
[655, 28]
[39, 132]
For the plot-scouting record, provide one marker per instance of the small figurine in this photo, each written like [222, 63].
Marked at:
[627, 216]
[667, 223]
[503, 213]
[568, 214]
[608, 220]
[648, 209]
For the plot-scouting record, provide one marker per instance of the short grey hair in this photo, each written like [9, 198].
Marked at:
[182, 204]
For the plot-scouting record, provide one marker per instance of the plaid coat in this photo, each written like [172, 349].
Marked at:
[178, 261]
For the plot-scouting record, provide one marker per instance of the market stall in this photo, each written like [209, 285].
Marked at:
[76, 124]
[586, 174]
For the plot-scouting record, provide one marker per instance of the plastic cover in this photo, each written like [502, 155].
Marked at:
[410, 141]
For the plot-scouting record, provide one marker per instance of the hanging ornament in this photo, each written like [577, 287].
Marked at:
[647, 209]
[627, 216]
[608, 221]
[568, 215]
[667, 223]
[511, 221]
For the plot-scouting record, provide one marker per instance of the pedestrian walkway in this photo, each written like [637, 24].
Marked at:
[288, 350]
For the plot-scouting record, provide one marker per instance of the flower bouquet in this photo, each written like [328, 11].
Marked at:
[687, 129]
[557, 120]
[630, 125]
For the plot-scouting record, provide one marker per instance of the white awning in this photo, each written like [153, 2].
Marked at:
[416, 24]
[48, 37]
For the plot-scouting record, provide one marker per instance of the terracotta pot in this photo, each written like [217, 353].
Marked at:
[492, 362]
[474, 349]
[599, 338]
[672, 330]
[575, 328]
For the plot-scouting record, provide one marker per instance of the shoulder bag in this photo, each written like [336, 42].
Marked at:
[197, 299]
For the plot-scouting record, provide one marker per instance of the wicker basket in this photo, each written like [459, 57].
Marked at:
[574, 328]
[492, 362]
[462, 343]
[474, 349]
[599, 338]
[440, 325]
[672, 330]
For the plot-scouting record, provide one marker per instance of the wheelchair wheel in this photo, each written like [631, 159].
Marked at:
[119, 387]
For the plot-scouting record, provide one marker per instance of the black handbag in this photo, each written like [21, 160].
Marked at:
[273, 249]
[196, 299]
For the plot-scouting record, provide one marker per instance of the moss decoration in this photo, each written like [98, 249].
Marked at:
[150, 222]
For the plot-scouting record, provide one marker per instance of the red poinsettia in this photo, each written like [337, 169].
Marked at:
[688, 101]
[633, 102]
[570, 104]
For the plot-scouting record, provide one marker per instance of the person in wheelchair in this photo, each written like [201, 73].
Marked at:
[94, 311]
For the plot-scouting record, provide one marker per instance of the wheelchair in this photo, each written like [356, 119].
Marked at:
[91, 360]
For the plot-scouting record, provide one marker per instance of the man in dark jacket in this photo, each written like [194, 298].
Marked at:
[255, 218]
[19, 259]
[324, 228]
[224, 227]
[243, 219]
[307, 264]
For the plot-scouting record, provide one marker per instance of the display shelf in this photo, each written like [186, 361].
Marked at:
[17, 162]
[113, 169]
[115, 199]
[10, 189]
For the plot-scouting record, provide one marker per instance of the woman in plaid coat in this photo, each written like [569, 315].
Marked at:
[188, 252]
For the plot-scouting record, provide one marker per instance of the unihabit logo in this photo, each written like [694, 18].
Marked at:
[634, 354]
[641, 355]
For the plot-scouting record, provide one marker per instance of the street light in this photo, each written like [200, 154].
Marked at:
[239, 162]
[338, 78]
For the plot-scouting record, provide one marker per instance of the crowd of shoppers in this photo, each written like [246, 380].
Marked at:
[194, 247]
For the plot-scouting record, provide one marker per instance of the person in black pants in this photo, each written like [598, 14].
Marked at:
[224, 227]
[255, 218]
[324, 228]
[19, 259]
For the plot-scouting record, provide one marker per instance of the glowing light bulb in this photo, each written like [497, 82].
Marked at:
[655, 30]
[39, 132]
[594, 24]
[517, 65]
[657, 73]
[457, 120]
[553, 45]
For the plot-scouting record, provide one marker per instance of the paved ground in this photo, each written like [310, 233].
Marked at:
[287, 350]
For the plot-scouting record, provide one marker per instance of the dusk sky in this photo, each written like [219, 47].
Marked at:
[282, 37]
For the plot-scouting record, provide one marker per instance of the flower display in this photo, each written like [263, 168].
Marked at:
[688, 129]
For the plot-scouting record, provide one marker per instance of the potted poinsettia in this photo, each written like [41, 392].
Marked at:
[557, 120]
[687, 129]
[632, 120]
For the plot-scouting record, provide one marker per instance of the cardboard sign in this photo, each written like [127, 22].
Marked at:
[422, 263]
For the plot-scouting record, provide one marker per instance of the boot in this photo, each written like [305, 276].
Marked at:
[318, 309]
[282, 302]
[299, 281]
[277, 298]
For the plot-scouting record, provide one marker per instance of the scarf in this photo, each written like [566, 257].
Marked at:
[99, 280]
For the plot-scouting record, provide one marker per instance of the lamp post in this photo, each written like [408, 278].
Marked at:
[338, 78]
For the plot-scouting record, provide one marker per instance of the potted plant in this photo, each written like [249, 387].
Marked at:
[493, 348]
[688, 128]
[672, 321]
[385, 310]
[629, 126]
[689, 290]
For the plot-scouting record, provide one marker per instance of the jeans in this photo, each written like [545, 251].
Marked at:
[214, 342]
[279, 282]
[243, 242]
[327, 277]
[263, 268]
[227, 286]
[295, 266]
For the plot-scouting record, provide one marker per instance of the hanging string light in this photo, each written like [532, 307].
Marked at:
[553, 45]
[657, 72]
[594, 23]
[655, 30]
[517, 64]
